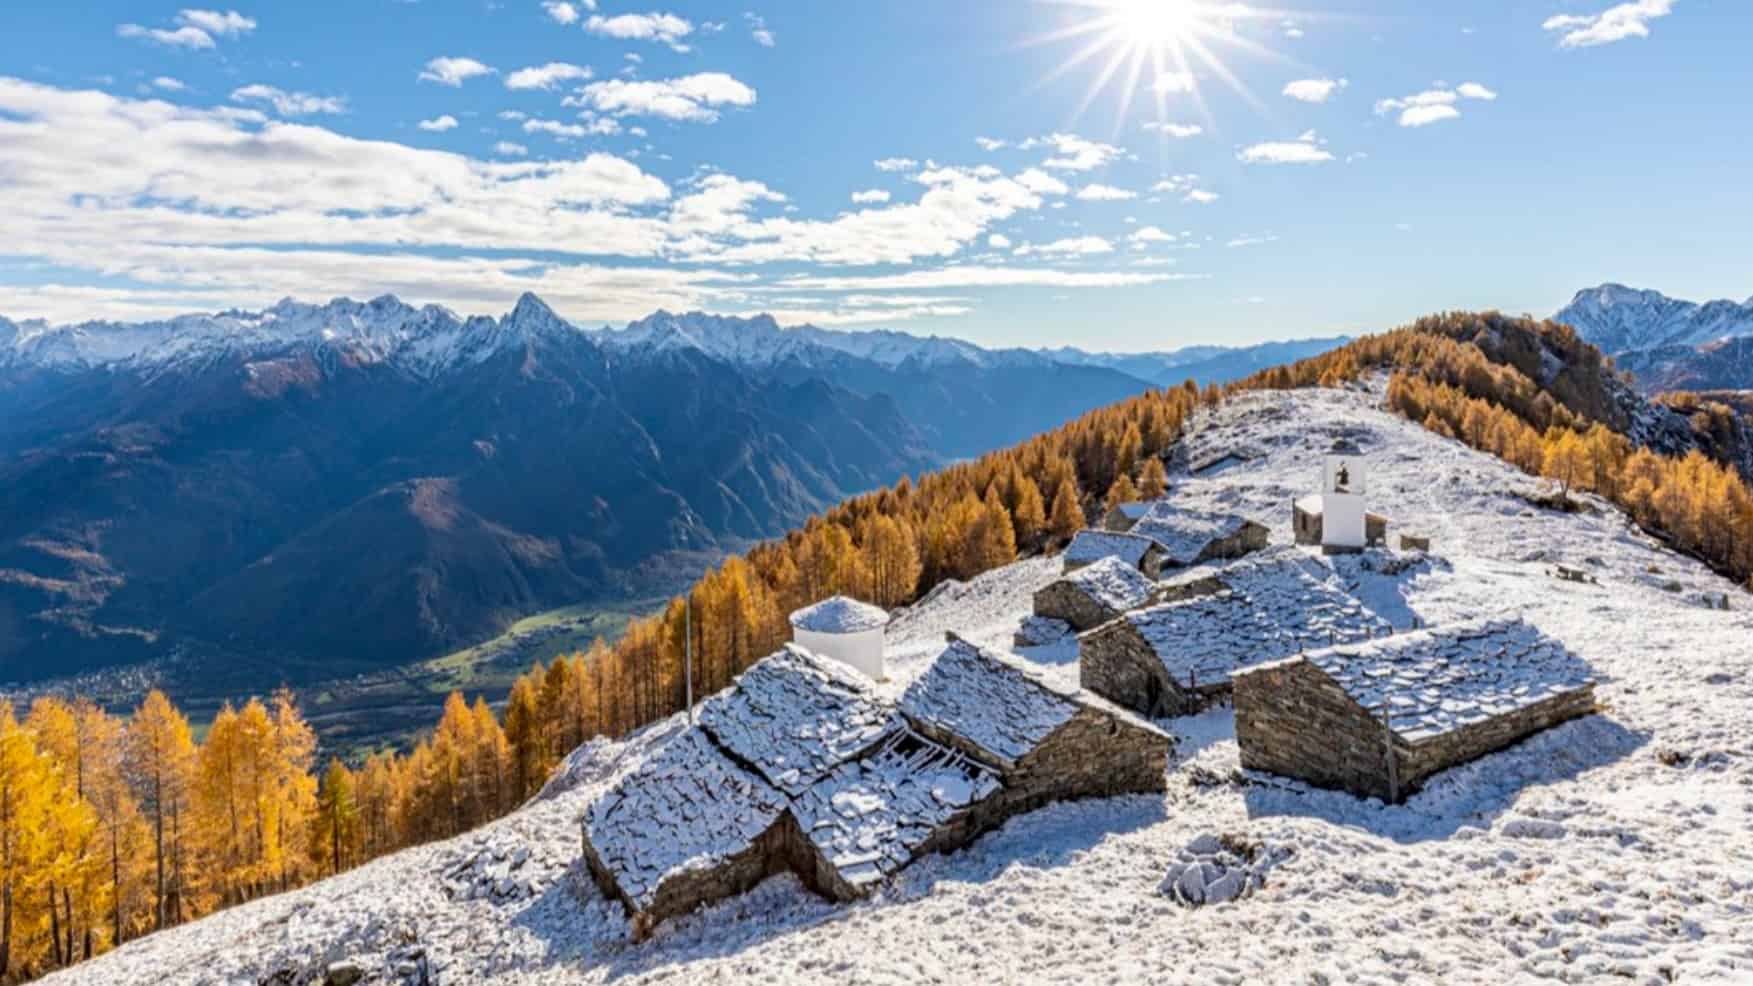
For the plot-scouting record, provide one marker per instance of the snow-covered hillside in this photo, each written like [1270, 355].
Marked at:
[1618, 319]
[1617, 847]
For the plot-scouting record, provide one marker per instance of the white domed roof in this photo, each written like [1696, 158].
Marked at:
[838, 614]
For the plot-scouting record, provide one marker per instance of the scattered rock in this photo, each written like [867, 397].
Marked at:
[1531, 828]
[343, 973]
[1219, 869]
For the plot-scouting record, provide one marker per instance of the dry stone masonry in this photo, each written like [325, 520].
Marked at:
[1189, 537]
[1379, 717]
[1176, 658]
[1090, 546]
[1094, 594]
[800, 767]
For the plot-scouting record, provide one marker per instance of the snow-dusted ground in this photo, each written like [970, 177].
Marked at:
[1616, 848]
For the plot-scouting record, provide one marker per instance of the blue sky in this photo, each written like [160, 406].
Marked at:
[1334, 166]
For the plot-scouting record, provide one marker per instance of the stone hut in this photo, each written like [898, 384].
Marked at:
[1305, 521]
[1090, 546]
[845, 630]
[1094, 594]
[1176, 658]
[1379, 717]
[1044, 742]
[1122, 516]
[795, 717]
[685, 828]
[1190, 537]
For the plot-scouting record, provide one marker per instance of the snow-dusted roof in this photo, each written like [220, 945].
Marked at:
[1092, 545]
[1184, 534]
[1135, 509]
[871, 815]
[838, 614]
[794, 717]
[989, 700]
[1439, 680]
[1114, 583]
[1274, 608]
[687, 808]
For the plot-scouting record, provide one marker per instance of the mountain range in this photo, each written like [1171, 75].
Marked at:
[1665, 343]
[317, 490]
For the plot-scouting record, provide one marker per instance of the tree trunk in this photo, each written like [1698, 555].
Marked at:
[115, 884]
[55, 927]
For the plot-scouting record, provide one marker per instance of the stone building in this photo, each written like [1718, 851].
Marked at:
[1045, 743]
[801, 767]
[1379, 717]
[1176, 658]
[1122, 516]
[1305, 518]
[1191, 537]
[1090, 546]
[1094, 594]
[685, 828]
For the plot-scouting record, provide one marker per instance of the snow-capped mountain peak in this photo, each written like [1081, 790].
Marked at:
[1619, 319]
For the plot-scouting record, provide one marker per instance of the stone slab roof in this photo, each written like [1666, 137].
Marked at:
[1000, 707]
[1184, 534]
[1114, 583]
[1135, 509]
[870, 816]
[688, 807]
[1092, 546]
[1438, 680]
[794, 717]
[1274, 608]
[838, 614]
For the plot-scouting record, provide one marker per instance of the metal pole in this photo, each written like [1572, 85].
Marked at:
[688, 660]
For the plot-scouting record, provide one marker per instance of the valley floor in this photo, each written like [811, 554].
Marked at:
[1618, 847]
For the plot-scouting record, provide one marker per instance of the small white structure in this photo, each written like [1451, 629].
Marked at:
[1343, 488]
[843, 630]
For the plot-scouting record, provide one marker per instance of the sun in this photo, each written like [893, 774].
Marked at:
[1163, 46]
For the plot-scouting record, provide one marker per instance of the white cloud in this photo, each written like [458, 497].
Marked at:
[1186, 186]
[896, 164]
[596, 127]
[1173, 82]
[1617, 23]
[195, 29]
[562, 12]
[872, 196]
[289, 103]
[547, 76]
[990, 143]
[1306, 149]
[1074, 246]
[1148, 235]
[693, 98]
[450, 71]
[998, 241]
[1200, 196]
[1252, 240]
[660, 28]
[506, 148]
[1074, 153]
[1104, 193]
[1433, 105]
[758, 31]
[168, 84]
[439, 124]
[1179, 131]
[1314, 90]
[970, 276]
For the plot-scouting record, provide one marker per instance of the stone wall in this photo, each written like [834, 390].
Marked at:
[687, 890]
[1115, 662]
[1306, 525]
[1098, 754]
[1249, 538]
[1292, 719]
[1422, 759]
[1064, 601]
